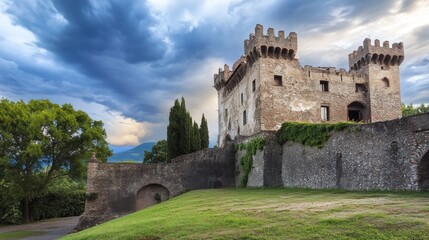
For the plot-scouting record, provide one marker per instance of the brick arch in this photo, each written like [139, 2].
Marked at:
[151, 194]
[423, 172]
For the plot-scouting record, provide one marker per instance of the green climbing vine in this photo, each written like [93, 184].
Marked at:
[311, 134]
[247, 160]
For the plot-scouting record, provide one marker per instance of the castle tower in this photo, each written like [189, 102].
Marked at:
[380, 64]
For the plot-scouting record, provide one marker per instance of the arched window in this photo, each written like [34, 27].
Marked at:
[386, 82]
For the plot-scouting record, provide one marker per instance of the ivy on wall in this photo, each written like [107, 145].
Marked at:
[311, 134]
[247, 160]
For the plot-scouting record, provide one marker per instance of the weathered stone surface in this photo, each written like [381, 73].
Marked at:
[390, 155]
[252, 98]
[122, 188]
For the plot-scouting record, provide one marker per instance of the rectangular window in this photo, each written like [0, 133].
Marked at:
[253, 85]
[360, 87]
[226, 114]
[278, 80]
[244, 117]
[324, 86]
[241, 99]
[324, 113]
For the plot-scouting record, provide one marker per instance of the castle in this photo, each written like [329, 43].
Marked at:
[267, 86]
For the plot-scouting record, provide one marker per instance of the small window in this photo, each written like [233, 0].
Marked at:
[324, 113]
[253, 85]
[226, 113]
[244, 117]
[324, 86]
[386, 82]
[241, 98]
[278, 80]
[360, 87]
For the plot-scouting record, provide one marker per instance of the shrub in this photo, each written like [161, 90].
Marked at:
[58, 204]
[310, 134]
[247, 160]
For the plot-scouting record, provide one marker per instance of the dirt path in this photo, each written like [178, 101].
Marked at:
[46, 229]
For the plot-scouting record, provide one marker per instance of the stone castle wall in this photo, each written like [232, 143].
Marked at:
[122, 188]
[391, 155]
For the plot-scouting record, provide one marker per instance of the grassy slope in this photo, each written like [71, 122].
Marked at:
[274, 214]
[19, 235]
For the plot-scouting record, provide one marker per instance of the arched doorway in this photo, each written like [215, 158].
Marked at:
[150, 195]
[423, 172]
[357, 112]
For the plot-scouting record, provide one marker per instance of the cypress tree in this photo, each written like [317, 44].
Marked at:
[173, 137]
[204, 133]
[195, 143]
[185, 124]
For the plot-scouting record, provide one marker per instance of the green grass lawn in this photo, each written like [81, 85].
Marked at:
[18, 235]
[274, 214]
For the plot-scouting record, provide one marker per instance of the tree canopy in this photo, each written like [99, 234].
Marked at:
[41, 141]
[410, 109]
[157, 154]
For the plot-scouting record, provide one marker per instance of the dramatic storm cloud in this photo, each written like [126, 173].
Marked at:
[124, 62]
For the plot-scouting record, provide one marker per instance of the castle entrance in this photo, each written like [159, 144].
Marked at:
[357, 112]
[150, 195]
[423, 172]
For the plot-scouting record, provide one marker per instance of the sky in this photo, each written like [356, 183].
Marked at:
[125, 62]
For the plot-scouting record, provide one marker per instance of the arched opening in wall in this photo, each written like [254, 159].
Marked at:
[423, 173]
[264, 51]
[386, 82]
[357, 112]
[150, 195]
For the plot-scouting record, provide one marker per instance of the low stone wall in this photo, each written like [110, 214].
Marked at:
[391, 155]
[117, 189]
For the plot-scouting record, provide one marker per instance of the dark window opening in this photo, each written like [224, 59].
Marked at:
[386, 82]
[360, 87]
[324, 113]
[324, 86]
[341, 76]
[244, 117]
[253, 85]
[309, 73]
[278, 80]
[355, 116]
[357, 112]
[241, 98]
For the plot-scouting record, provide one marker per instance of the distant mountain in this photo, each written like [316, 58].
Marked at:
[134, 154]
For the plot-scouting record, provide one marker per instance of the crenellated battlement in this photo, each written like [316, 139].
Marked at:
[260, 45]
[377, 54]
[223, 76]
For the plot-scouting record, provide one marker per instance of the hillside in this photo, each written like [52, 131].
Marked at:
[135, 154]
[274, 214]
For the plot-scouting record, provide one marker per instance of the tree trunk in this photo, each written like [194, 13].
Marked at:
[26, 210]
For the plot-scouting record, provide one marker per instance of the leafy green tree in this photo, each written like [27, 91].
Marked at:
[42, 141]
[157, 154]
[204, 133]
[410, 109]
[195, 140]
